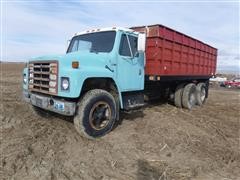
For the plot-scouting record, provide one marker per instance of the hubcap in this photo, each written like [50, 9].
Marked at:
[100, 115]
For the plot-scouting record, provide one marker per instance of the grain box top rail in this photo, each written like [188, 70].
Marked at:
[157, 34]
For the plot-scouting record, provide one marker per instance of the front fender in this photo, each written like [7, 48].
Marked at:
[77, 78]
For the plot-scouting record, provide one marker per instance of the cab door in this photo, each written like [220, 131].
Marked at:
[130, 69]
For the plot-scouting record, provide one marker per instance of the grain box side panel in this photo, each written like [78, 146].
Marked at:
[171, 53]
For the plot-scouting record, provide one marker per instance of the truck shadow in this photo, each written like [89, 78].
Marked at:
[147, 171]
[139, 113]
[68, 119]
[123, 115]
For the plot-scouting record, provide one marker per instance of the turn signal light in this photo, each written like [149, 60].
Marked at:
[75, 64]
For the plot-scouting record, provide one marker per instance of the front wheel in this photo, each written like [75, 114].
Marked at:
[96, 114]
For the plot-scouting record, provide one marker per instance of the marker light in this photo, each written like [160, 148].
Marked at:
[75, 64]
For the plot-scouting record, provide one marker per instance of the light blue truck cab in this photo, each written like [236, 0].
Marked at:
[101, 73]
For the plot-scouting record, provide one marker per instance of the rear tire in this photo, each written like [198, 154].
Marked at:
[96, 115]
[178, 95]
[189, 96]
[201, 93]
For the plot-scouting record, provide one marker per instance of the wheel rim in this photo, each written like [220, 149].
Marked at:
[203, 94]
[100, 115]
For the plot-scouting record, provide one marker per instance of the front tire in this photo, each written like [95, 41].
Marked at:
[96, 114]
[189, 96]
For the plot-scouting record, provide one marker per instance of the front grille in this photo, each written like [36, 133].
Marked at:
[43, 76]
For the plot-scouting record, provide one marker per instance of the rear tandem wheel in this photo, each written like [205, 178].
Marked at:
[189, 96]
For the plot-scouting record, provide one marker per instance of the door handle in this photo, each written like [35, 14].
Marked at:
[107, 67]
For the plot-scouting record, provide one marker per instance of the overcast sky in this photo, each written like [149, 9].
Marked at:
[37, 28]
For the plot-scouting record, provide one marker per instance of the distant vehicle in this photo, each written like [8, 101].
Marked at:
[218, 79]
[233, 83]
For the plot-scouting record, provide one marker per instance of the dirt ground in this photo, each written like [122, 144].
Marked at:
[160, 142]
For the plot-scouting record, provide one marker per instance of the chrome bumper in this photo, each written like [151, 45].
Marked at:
[63, 107]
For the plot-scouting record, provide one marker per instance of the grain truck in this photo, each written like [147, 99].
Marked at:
[108, 70]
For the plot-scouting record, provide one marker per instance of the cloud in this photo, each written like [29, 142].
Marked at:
[43, 27]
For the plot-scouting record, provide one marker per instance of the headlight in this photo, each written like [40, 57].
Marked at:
[24, 79]
[53, 77]
[52, 83]
[52, 90]
[65, 83]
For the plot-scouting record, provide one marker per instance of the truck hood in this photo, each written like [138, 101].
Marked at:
[84, 58]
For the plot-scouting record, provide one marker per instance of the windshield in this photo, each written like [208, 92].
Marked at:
[93, 42]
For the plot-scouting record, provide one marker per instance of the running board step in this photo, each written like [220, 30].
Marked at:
[133, 100]
[136, 106]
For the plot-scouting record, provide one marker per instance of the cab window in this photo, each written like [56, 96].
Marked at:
[124, 49]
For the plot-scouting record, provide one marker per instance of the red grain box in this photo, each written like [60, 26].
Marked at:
[171, 53]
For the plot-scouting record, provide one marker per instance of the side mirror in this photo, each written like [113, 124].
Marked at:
[136, 54]
[141, 42]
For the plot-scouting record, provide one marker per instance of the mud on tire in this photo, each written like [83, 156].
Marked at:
[189, 96]
[201, 93]
[96, 114]
[178, 95]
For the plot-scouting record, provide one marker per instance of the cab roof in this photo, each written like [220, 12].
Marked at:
[105, 29]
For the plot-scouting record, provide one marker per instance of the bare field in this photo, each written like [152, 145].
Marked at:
[160, 142]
